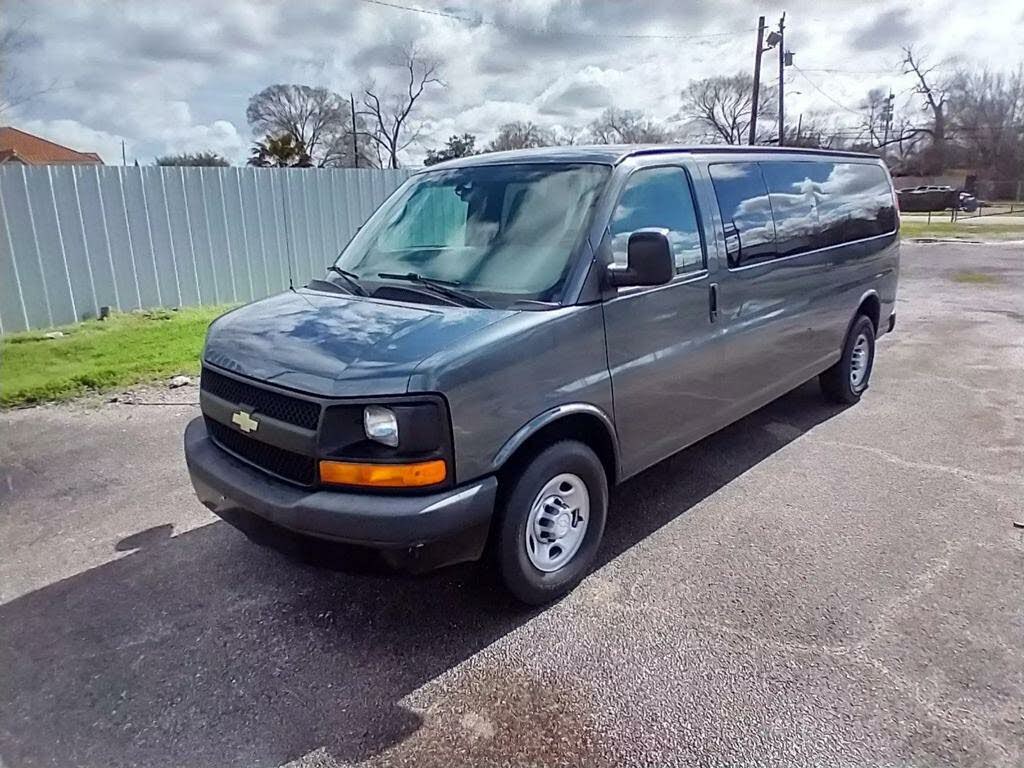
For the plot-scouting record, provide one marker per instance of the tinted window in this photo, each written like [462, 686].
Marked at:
[854, 202]
[794, 189]
[659, 197]
[746, 212]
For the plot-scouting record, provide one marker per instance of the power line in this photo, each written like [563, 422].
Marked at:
[854, 71]
[479, 21]
[827, 96]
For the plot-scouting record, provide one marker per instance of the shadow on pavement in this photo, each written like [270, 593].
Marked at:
[203, 649]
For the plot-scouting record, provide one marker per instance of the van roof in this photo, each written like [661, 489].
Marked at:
[613, 154]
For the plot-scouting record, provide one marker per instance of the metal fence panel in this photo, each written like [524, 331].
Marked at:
[75, 238]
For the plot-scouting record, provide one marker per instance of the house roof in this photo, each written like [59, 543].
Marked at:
[18, 146]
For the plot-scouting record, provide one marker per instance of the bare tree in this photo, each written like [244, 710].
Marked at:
[626, 126]
[874, 116]
[932, 86]
[817, 130]
[721, 107]
[985, 121]
[314, 117]
[389, 113]
[520, 135]
[568, 136]
[15, 89]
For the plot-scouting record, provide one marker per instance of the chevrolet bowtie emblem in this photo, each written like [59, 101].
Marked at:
[245, 422]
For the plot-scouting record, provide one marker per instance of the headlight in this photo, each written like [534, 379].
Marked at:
[381, 424]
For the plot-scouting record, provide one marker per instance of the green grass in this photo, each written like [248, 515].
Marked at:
[96, 356]
[950, 230]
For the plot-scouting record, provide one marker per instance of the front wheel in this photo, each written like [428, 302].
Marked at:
[552, 522]
[847, 380]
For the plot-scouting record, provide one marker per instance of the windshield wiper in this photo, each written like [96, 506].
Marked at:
[446, 288]
[351, 279]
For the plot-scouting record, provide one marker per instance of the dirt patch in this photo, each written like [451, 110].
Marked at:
[976, 278]
[505, 717]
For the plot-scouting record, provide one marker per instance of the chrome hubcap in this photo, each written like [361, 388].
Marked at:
[557, 523]
[859, 361]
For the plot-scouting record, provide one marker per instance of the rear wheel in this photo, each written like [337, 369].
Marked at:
[847, 380]
[552, 522]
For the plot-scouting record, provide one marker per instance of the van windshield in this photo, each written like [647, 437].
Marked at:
[503, 232]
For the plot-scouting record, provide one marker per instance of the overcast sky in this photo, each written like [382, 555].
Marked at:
[176, 76]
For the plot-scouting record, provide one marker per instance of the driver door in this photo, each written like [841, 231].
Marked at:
[661, 349]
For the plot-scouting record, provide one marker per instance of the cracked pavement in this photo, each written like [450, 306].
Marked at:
[811, 586]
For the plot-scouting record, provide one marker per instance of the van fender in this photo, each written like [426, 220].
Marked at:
[550, 416]
[869, 293]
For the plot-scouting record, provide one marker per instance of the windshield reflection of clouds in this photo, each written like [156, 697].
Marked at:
[506, 230]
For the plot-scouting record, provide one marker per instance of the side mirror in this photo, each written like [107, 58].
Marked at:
[649, 260]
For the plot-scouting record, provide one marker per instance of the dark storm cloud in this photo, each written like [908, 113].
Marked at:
[886, 30]
[583, 33]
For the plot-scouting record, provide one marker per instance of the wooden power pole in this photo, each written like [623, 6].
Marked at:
[757, 81]
[355, 133]
[782, 86]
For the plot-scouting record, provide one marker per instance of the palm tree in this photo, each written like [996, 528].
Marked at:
[280, 152]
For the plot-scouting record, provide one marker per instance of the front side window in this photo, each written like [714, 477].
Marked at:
[659, 198]
[746, 212]
[503, 232]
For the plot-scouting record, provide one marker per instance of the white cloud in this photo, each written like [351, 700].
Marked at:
[176, 77]
[82, 138]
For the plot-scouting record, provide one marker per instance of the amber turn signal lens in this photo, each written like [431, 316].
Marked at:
[384, 475]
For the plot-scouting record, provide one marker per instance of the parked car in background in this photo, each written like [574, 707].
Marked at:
[512, 334]
[925, 198]
[967, 202]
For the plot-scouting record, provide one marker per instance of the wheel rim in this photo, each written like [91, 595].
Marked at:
[860, 360]
[557, 523]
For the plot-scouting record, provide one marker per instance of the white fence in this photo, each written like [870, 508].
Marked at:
[75, 238]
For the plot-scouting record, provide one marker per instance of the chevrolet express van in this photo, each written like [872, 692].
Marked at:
[510, 334]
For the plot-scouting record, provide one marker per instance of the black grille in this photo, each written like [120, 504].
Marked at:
[291, 466]
[301, 413]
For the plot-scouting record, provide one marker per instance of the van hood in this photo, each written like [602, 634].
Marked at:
[337, 345]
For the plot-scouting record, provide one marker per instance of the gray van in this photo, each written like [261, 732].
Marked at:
[510, 334]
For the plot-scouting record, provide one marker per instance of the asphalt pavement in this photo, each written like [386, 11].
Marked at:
[811, 586]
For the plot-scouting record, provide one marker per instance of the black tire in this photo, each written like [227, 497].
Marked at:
[837, 383]
[519, 575]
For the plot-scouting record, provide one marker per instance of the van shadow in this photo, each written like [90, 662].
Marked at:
[204, 650]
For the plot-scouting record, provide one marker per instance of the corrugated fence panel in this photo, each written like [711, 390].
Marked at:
[76, 238]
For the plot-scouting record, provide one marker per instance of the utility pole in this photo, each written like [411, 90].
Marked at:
[782, 86]
[757, 80]
[355, 132]
[124, 159]
[887, 116]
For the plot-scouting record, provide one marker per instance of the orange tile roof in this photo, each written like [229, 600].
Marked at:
[33, 150]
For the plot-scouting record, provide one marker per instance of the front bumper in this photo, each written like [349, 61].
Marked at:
[454, 522]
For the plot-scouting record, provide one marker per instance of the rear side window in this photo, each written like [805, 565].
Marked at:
[660, 198]
[782, 208]
[746, 212]
[855, 202]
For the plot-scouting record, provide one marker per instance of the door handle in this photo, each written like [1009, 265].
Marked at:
[713, 301]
